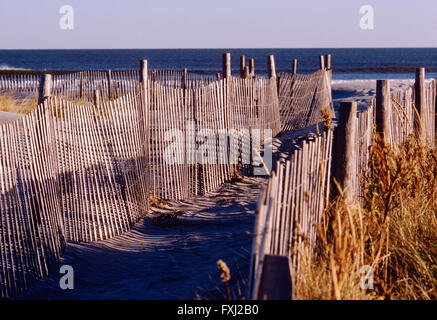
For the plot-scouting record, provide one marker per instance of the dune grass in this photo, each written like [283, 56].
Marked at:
[393, 230]
[11, 102]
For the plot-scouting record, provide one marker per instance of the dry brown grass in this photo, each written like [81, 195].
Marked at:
[335, 272]
[225, 276]
[327, 118]
[232, 286]
[157, 202]
[394, 230]
[10, 102]
[236, 176]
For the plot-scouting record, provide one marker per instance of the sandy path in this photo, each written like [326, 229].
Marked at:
[172, 259]
[9, 117]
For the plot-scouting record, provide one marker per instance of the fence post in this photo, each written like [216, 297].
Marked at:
[435, 113]
[242, 66]
[294, 66]
[45, 87]
[322, 62]
[246, 72]
[383, 109]
[420, 103]
[144, 78]
[271, 64]
[185, 82]
[109, 76]
[144, 74]
[226, 65]
[328, 61]
[344, 156]
[252, 67]
[272, 72]
[328, 66]
[81, 85]
[227, 84]
[97, 97]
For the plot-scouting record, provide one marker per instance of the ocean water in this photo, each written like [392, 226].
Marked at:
[348, 64]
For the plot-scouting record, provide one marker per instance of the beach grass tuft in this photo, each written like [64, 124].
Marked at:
[327, 117]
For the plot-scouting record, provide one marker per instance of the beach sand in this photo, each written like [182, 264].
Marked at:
[166, 258]
[361, 90]
[6, 117]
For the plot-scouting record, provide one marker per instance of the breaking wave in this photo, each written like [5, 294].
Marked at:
[7, 67]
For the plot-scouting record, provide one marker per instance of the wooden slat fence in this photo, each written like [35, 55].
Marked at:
[430, 113]
[402, 116]
[208, 114]
[407, 118]
[31, 223]
[80, 85]
[103, 168]
[181, 79]
[365, 121]
[302, 98]
[291, 205]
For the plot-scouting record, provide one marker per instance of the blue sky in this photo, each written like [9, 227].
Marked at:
[30, 24]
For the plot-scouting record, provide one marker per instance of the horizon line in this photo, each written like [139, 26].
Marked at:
[222, 48]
